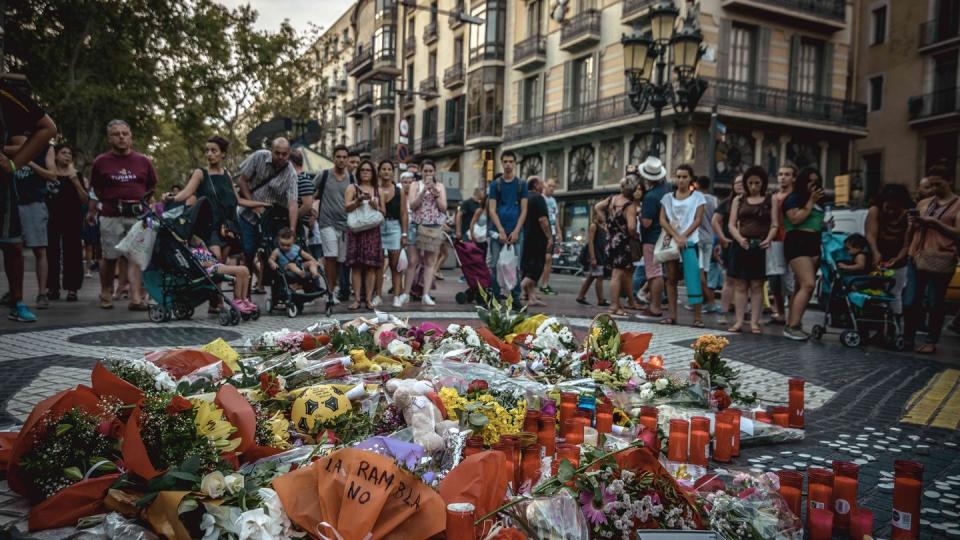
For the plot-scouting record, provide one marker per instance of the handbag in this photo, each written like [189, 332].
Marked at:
[665, 249]
[479, 233]
[364, 218]
[636, 249]
[936, 262]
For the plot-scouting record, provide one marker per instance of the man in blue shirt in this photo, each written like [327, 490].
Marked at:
[507, 207]
[653, 172]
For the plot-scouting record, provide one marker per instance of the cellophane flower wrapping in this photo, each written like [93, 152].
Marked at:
[750, 508]
[555, 518]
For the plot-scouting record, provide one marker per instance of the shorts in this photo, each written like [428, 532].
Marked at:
[90, 234]
[334, 243]
[776, 263]
[390, 235]
[33, 220]
[532, 266]
[652, 268]
[112, 231]
[411, 233]
[249, 236]
[801, 244]
[705, 255]
[748, 264]
[9, 213]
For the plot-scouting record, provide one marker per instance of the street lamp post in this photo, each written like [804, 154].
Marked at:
[647, 59]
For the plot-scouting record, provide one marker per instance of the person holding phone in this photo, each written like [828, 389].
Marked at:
[428, 206]
[753, 227]
[801, 247]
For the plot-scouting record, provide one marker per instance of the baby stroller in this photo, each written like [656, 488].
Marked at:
[859, 305]
[281, 295]
[175, 280]
[473, 262]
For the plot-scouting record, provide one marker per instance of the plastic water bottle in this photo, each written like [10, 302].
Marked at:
[828, 217]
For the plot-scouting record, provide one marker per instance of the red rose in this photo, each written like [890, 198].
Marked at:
[178, 404]
[309, 343]
[722, 399]
[269, 384]
[477, 385]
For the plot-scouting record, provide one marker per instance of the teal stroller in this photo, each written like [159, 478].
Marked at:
[857, 305]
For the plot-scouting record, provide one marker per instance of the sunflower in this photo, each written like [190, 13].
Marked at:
[211, 424]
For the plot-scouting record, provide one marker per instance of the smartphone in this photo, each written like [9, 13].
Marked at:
[913, 212]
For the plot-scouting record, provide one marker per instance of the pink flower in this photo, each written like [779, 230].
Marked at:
[386, 337]
[592, 510]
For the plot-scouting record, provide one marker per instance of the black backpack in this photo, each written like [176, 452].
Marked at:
[323, 183]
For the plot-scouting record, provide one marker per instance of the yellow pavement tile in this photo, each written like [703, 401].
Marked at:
[925, 403]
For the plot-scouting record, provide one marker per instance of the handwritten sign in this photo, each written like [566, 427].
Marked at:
[841, 190]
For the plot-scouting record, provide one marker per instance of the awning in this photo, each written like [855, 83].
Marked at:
[314, 162]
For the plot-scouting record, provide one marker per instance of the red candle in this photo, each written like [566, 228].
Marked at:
[547, 436]
[791, 489]
[820, 487]
[735, 415]
[507, 450]
[723, 438]
[844, 497]
[568, 410]
[781, 417]
[821, 524]
[677, 442]
[531, 421]
[907, 486]
[530, 465]
[568, 452]
[763, 416]
[604, 422]
[699, 440]
[795, 407]
[574, 431]
[460, 518]
[648, 418]
[474, 446]
[861, 523]
[513, 456]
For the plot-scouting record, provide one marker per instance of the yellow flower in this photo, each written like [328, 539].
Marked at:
[211, 424]
[451, 401]
[530, 324]
[279, 427]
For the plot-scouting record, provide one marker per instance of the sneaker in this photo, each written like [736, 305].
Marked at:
[53, 295]
[88, 275]
[548, 290]
[334, 300]
[583, 302]
[427, 301]
[722, 320]
[398, 301]
[376, 301]
[20, 313]
[71, 296]
[688, 307]
[461, 280]
[795, 333]
[43, 302]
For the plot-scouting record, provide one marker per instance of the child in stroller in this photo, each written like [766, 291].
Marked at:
[291, 287]
[856, 247]
[293, 259]
[241, 275]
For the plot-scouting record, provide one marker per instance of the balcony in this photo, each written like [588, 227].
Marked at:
[582, 31]
[491, 51]
[453, 137]
[530, 53]
[331, 92]
[429, 86]
[430, 33]
[384, 66]
[409, 46]
[429, 142]
[386, 15]
[604, 110]
[361, 62]
[935, 108]
[484, 129]
[453, 76]
[818, 15]
[351, 109]
[453, 21]
[635, 10]
[785, 103]
[341, 121]
[939, 34]
[408, 99]
[384, 104]
[364, 101]
[362, 147]
[342, 85]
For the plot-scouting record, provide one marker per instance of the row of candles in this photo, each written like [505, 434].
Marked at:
[832, 500]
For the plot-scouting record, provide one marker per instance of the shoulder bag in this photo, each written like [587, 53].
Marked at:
[364, 217]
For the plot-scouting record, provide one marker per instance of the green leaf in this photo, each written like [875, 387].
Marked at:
[182, 475]
[192, 464]
[73, 473]
[478, 419]
[147, 499]
[565, 471]
[62, 428]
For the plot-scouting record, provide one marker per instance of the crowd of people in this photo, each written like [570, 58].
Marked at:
[353, 223]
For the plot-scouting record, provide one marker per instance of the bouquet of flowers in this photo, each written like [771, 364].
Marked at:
[465, 337]
[490, 414]
[551, 352]
[706, 356]
[499, 318]
[142, 374]
[751, 508]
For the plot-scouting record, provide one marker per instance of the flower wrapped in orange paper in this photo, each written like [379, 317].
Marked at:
[480, 480]
[355, 494]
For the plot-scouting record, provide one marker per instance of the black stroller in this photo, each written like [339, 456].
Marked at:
[175, 279]
[281, 294]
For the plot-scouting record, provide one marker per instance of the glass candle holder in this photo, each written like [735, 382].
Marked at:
[781, 416]
[507, 450]
[844, 496]
[791, 489]
[699, 440]
[723, 438]
[574, 430]
[547, 436]
[907, 488]
[821, 524]
[648, 417]
[735, 415]
[514, 456]
[861, 523]
[678, 439]
[531, 422]
[795, 403]
[604, 423]
[763, 416]
[460, 518]
[568, 410]
[530, 465]
[819, 490]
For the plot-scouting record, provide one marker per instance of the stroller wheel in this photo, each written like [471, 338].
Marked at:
[899, 343]
[817, 331]
[167, 314]
[224, 317]
[851, 338]
[155, 313]
[293, 310]
[188, 313]
[471, 295]
[234, 317]
[255, 314]
[461, 297]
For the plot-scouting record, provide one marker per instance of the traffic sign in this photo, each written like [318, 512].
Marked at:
[404, 128]
[403, 155]
[404, 140]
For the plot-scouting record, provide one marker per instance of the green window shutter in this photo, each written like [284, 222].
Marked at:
[796, 42]
[826, 70]
[723, 49]
[763, 56]
[595, 88]
[567, 84]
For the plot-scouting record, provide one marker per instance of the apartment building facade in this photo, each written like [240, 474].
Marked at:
[907, 73]
[777, 74]
[332, 52]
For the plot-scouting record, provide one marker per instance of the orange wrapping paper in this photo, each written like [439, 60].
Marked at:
[360, 493]
[238, 412]
[64, 508]
[135, 457]
[480, 480]
[635, 343]
[509, 352]
[181, 362]
[106, 383]
[641, 460]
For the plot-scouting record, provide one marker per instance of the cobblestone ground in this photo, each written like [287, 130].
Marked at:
[855, 397]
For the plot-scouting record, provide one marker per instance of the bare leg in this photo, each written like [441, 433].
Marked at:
[13, 266]
[756, 303]
[133, 278]
[429, 270]
[356, 276]
[396, 278]
[656, 295]
[413, 259]
[804, 268]
[615, 283]
[108, 270]
[726, 295]
[626, 285]
[585, 286]
[369, 278]
[740, 303]
[708, 297]
[547, 267]
[123, 279]
[40, 254]
[331, 266]
[598, 284]
[672, 278]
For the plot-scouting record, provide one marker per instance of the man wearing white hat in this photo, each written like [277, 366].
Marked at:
[653, 172]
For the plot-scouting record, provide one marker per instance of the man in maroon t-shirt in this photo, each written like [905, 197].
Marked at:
[120, 178]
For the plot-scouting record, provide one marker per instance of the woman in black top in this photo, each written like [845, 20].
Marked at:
[886, 231]
[65, 199]
[393, 231]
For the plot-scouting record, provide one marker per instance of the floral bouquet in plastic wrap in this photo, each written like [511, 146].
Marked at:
[748, 507]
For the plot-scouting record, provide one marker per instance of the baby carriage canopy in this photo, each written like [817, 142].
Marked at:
[186, 222]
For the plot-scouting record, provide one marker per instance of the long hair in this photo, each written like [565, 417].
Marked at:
[373, 168]
[802, 186]
[896, 194]
[759, 172]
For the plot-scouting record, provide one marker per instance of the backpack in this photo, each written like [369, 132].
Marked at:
[323, 183]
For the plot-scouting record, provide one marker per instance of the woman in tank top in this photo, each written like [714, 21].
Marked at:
[393, 231]
[886, 231]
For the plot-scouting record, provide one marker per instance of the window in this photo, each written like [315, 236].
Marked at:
[453, 121]
[876, 93]
[872, 165]
[584, 82]
[383, 46]
[411, 27]
[430, 117]
[743, 54]
[878, 25]
[410, 125]
[809, 67]
[530, 98]
[586, 5]
[458, 51]
[432, 64]
[410, 73]
[487, 39]
[534, 9]
[485, 104]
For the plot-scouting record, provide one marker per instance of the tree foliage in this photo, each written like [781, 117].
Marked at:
[177, 70]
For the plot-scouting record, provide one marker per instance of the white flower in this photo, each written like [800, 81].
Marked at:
[472, 338]
[213, 485]
[208, 524]
[257, 525]
[270, 501]
[234, 483]
[453, 328]
[399, 349]
[662, 383]
[646, 395]
[646, 386]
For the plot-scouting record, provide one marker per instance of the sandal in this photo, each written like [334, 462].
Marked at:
[106, 303]
[735, 328]
[617, 313]
[668, 321]
[698, 324]
[583, 302]
[756, 330]
[603, 303]
[354, 306]
[927, 348]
